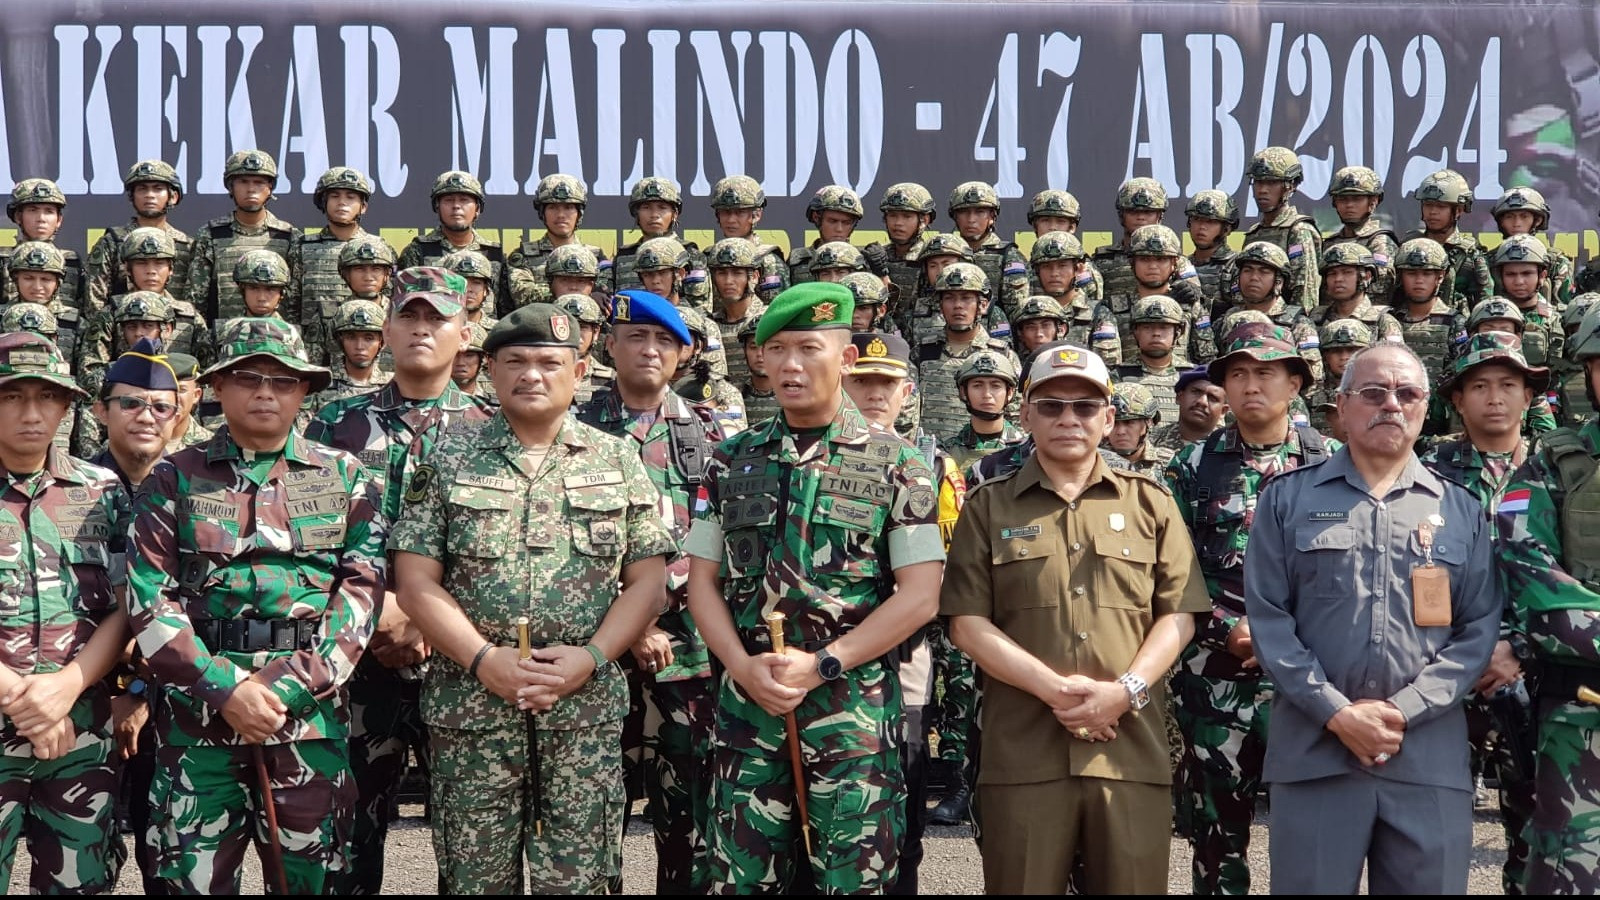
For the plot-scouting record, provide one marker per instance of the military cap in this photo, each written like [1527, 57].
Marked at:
[533, 325]
[456, 182]
[1134, 402]
[946, 245]
[867, 289]
[153, 170]
[1493, 308]
[1577, 307]
[38, 256]
[880, 353]
[583, 308]
[1056, 245]
[641, 307]
[988, 364]
[1053, 203]
[1263, 343]
[33, 317]
[250, 162]
[34, 190]
[468, 264]
[560, 188]
[838, 255]
[476, 335]
[835, 197]
[660, 253]
[1421, 253]
[261, 266]
[1446, 186]
[1264, 253]
[1356, 181]
[1346, 333]
[1040, 307]
[732, 253]
[907, 196]
[142, 306]
[1526, 199]
[1276, 164]
[366, 250]
[143, 366]
[1068, 361]
[1347, 253]
[184, 366]
[358, 315]
[247, 338]
[962, 276]
[653, 187]
[1141, 193]
[1496, 347]
[340, 178]
[572, 261]
[1215, 205]
[443, 289]
[148, 243]
[26, 355]
[738, 192]
[1158, 310]
[1198, 373]
[973, 195]
[812, 306]
[1154, 240]
[1520, 248]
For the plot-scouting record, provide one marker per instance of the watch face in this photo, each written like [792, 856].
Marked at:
[830, 668]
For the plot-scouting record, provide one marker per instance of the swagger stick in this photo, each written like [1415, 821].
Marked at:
[525, 651]
[775, 631]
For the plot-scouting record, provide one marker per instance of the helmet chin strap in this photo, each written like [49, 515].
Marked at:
[978, 413]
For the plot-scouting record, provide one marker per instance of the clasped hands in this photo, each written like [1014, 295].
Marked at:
[1371, 729]
[38, 707]
[1089, 710]
[536, 683]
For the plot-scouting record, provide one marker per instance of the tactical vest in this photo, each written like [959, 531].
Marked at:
[1580, 510]
[904, 273]
[1079, 328]
[531, 257]
[800, 264]
[686, 436]
[224, 299]
[758, 407]
[991, 258]
[1213, 273]
[322, 290]
[943, 413]
[1383, 244]
[177, 285]
[1160, 384]
[1215, 477]
[738, 368]
[1574, 395]
[68, 293]
[1538, 321]
[696, 287]
[499, 299]
[1433, 340]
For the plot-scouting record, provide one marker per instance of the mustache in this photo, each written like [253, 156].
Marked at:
[1387, 419]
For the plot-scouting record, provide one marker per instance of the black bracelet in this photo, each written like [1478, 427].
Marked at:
[472, 670]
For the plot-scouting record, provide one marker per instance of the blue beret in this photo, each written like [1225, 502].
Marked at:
[143, 367]
[636, 307]
[1198, 373]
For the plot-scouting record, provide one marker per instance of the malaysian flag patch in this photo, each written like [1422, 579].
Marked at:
[1381, 259]
[1016, 268]
[1296, 250]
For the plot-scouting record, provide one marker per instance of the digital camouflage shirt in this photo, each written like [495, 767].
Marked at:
[106, 278]
[222, 533]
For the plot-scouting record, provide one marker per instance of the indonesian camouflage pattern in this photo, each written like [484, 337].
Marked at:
[1307, 340]
[666, 744]
[210, 284]
[101, 342]
[211, 806]
[966, 446]
[1162, 385]
[317, 289]
[1572, 393]
[534, 285]
[65, 811]
[1224, 729]
[1298, 236]
[312, 550]
[104, 276]
[1467, 281]
[943, 414]
[1380, 322]
[696, 290]
[429, 248]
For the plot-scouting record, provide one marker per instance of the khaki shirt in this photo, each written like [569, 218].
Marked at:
[1078, 585]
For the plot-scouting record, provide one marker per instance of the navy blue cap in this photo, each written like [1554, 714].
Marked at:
[636, 307]
[1198, 373]
[144, 367]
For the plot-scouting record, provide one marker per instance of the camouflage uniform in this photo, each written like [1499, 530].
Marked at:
[1062, 204]
[429, 248]
[64, 531]
[1133, 401]
[1000, 260]
[102, 270]
[903, 263]
[1543, 337]
[220, 242]
[1161, 241]
[1380, 322]
[1380, 242]
[550, 545]
[936, 362]
[1338, 334]
[1222, 707]
[1297, 234]
[1436, 335]
[836, 198]
[1161, 383]
[696, 292]
[704, 379]
[1279, 310]
[1557, 289]
[1086, 322]
[1114, 266]
[1467, 280]
[825, 538]
[744, 192]
[530, 257]
[736, 253]
[598, 377]
[102, 343]
[1215, 271]
[966, 447]
[673, 710]
[317, 287]
[70, 293]
[1572, 388]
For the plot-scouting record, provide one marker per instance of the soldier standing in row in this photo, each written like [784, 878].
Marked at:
[1212, 217]
[1158, 329]
[835, 210]
[1059, 264]
[987, 383]
[738, 203]
[249, 176]
[1202, 405]
[38, 207]
[458, 200]
[317, 287]
[186, 429]
[963, 294]
[1154, 254]
[1140, 202]
[1523, 267]
[1349, 272]
[1137, 411]
[1275, 173]
[560, 202]
[1356, 192]
[358, 334]
[1522, 211]
[365, 264]
[152, 186]
[1263, 271]
[591, 321]
[975, 208]
[36, 271]
[908, 211]
[735, 269]
[778, 528]
[469, 372]
[1572, 391]
[1341, 338]
[1445, 197]
[255, 569]
[1052, 210]
[759, 392]
[656, 206]
[535, 517]
[1427, 322]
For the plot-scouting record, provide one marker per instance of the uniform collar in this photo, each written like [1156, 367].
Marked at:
[223, 448]
[62, 468]
[1414, 475]
[609, 408]
[1284, 216]
[1031, 475]
[496, 433]
[389, 398]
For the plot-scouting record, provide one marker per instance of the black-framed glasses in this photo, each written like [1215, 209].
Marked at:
[1373, 395]
[250, 381]
[161, 409]
[1053, 408]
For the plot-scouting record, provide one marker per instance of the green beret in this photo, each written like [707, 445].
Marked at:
[811, 306]
[186, 367]
[534, 325]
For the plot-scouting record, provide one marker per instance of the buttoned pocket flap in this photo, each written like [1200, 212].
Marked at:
[1332, 537]
[1125, 547]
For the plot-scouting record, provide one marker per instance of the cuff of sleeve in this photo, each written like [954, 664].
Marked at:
[914, 544]
[294, 696]
[1410, 702]
[704, 540]
[217, 681]
[1327, 702]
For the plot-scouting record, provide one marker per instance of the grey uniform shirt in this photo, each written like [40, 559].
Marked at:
[1328, 592]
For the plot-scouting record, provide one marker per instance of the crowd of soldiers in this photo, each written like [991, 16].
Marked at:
[290, 516]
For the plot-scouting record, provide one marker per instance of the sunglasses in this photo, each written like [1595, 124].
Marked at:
[1052, 408]
[250, 381]
[1408, 395]
[161, 409]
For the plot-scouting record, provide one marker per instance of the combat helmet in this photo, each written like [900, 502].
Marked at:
[1496, 308]
[1356, 181]
[973, 195]
[340, 178]
[654, 187]
[262, 267]
[456, 182]
[907, 196]
[582, 308]
[962, 276]
[560, 188]
[732, 253]
[660, 253]
[1141, 193]
[155, 170]
[358, 315]
[834, 197]
[38, 256]
[1446, 186]
[366, 250]
[1523, 198]
[1039, 307]
[147, 243]
[1054, 246]
[1134, 402]
[1520, 248]
[1264, 253]
[838, 255]
[947, 245]
[34, 190]
[31, 317]
[738, 192]
[1154, 240]
[1276, 164]
[572, 260]
[1215, 205]
[1343, 334]
[1055, 204]
[250, 162]
[1421, 253]
[988, 363]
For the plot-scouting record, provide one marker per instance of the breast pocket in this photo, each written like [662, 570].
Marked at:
[91, 569]
[597, 521]
[1334, 567]
[844, 535]
[1124, 575]
[1027, 570]
[482, 523]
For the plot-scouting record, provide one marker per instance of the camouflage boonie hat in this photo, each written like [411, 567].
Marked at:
[31, 317]
[148, 243]
[1263, 253]
[250, 162]
[653, 187]
[1446, 186]
[582, 308]
[1056, 204]
[1134, 402]
[1496, 308]
[469, 264]
[1158, 310]
[867, 288]
[34, 190]
[1520, 248]
[560, 188]
[738, 192]
[142, 306]
[1523, 198]
[1141, 193]
[1275, 164]
[533, 325]
[988, 364]
[1421, 253]
[572, 261]
[262, 267]
[973, 195]
[1348, 253]
[732, 253]
[248, 338]
[1056, 246]
[835, 197]
[443, 289]
[962, 276]
[1040, 307]
[1263, 343]
[476, 335]
[1154, 240]
[366, 250]
[456, 182]
[38, 256]
[660, 253]
[946, 245]
[1356, 181]
[25, 355]
[1496, 347]
[358, 315]
[1577, 308]
[153, 170]
[838, 255]
[1343, 334]
[907, 196]
[1215, 205]
[340, 178]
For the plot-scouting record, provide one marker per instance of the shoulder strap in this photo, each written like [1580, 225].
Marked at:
[220, 230]
[929, 351]
[1316, 449]
[1213, 475]
[492, 252]
[691, 449]
[1570, 457]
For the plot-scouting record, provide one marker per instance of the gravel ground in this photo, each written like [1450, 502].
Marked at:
[950, 867]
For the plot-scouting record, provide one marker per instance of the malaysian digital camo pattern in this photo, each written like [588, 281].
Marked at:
[342, 387]
[1437, 337]
[696, 288]
[937, 363]
[317, 287]
[1162, 385]
[1007, 270]
[732, 344]
[759, 406]
[1216, 278]
[1382, 244]
[1089, 324]
[219, 533]
[534, 286]
[218, 244]
[103, 273]
[101, 341]
[1380, 322]
[1298, 236]
[1467, 280]
[1121, 289]
[69, 293]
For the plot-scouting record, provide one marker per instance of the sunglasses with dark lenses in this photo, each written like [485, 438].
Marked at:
[1052, 408]
[1408, 395]
[161, 409]
[281, 384]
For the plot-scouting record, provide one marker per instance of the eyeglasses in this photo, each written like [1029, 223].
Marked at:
[1052, 408]
[1408, 395]
[161, 409]
[250, 381]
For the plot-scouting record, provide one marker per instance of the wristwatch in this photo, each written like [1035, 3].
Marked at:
[1138, 690]
[602, 666]
[137, 687]
[828, 665]
[1522, 649]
